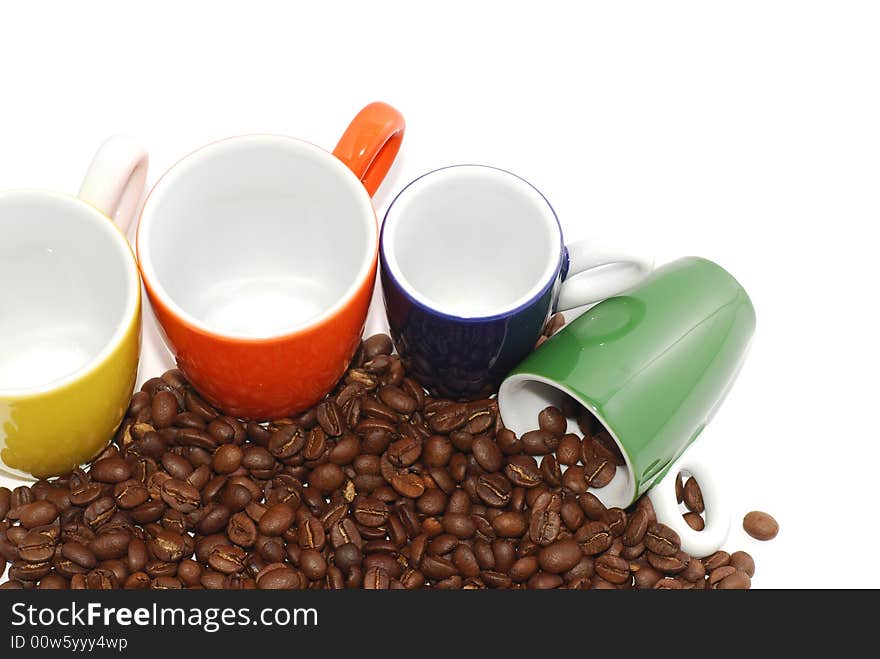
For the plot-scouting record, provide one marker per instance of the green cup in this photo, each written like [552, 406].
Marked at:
[652, 365]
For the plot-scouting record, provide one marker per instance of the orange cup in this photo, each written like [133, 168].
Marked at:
[258, 254]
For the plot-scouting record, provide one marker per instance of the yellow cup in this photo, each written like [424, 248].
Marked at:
[70, 310]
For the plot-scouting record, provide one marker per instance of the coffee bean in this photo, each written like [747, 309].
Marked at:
[36, 547]
[330, 418]
[662, 540]
[327, 477]
[378, 344]
[669, 564]
[595, 537]
[743, 561]
[5, 502]
[636, 528]
[180, 495]
[544, 525]
[494, 490]
[277, 519]
[487, 453]
[163, 409]
[613, 569]
[111, 470]
[599, 471]
[79, 554]
[760, 525]
[692, 496]
[552, 420]
[695, 521]
[278, 576]
[559, 556]
[227, 559]
[739, 580]
[718, 559]
[510, 524]
[592, 507]
[569, 450]
[37, 513]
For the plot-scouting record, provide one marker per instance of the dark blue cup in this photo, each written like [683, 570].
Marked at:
[473, 264]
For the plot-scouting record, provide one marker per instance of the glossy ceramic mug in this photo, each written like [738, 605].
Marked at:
[258, 254]
[473, 264]
[652, 366]
[69, 315]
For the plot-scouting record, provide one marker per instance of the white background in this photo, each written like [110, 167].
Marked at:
[745, 132]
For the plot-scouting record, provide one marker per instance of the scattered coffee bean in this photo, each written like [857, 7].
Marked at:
[760, 525]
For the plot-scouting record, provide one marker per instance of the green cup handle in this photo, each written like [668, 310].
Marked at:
[597, 272]
[662, 495]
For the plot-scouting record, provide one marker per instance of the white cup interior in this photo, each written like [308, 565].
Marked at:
[257, 236]
[521, 397]
[69, 288]
[471, 241]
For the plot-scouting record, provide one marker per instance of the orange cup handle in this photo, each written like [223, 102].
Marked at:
[371, 142]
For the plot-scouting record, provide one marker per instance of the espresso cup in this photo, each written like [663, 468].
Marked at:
[69, 315]
[258, 254]
[652, 366]
[473, 264]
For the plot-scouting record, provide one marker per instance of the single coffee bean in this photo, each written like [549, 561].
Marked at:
[176, 466]
[461, 526]
[569, 450]
[539, 442]
[451, 417]
[594, 537]
[718, 559]
[278, 576]
[330, 418]
[743, 561]
[168, 546]
[227, 559]
[760, 525]
[662, 540]
[692, 496]
[180, 495]
[544, 525]
[487, 453]
[327, 477]
[599, 471]
[613, 569]
[5, 502]
[560, 556]
[378, 344]
[163, 409]
[36, 547]
[371, 512]
[669, 564]
[720, 573]
[739, 580]
[636, 528]
[509, 524]
[130, 494]
[111, 470]
[277, 519]
[592, 507]
[110, 545]
[79, 554]
[552, 420]
[616, 520]
[37, 513]
[494, 490]
[695, 521]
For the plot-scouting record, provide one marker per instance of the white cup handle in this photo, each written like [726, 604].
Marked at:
[662, 495]
[597, 272]
[114, 182]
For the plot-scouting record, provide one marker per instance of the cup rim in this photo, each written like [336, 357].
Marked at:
[632, 484]
[158, 292]
[391, 268]
[133, 287]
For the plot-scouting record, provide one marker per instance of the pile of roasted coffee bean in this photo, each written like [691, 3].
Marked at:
[378, 486]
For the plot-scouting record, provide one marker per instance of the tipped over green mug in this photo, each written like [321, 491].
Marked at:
[652, 365]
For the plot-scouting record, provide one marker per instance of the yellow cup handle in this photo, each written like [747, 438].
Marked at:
[115, 181]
